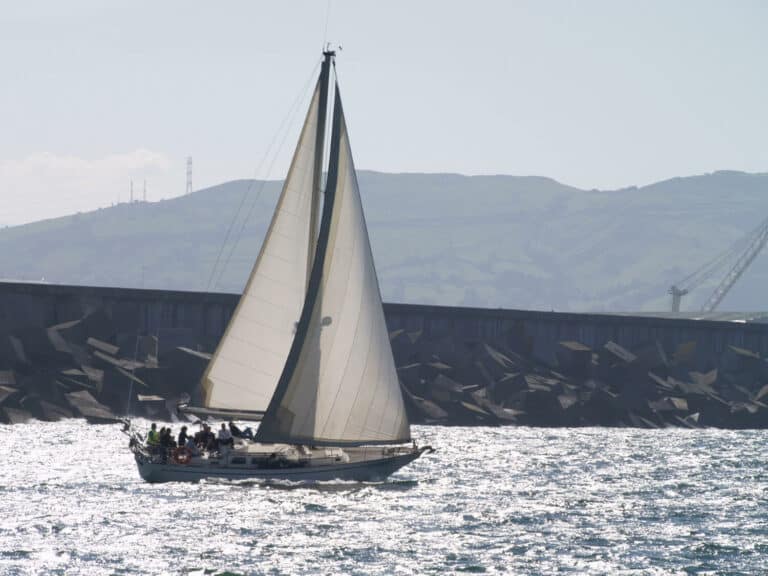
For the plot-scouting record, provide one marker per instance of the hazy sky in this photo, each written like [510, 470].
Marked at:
[593, 93]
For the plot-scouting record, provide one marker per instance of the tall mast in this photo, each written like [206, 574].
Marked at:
[317, 181]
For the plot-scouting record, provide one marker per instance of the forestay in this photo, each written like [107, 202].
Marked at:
[250, 357]
[340, 386]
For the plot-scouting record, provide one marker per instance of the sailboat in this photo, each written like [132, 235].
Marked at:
[307, 349]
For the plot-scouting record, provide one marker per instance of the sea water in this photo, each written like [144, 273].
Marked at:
[489, 500]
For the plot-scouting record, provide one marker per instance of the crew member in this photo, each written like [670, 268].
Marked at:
[237, 433]
[182, 440]
[153, 438]
[225, 436]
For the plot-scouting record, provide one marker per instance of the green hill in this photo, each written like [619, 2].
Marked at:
[497, 241]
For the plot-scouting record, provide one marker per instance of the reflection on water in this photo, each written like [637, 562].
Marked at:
[514, 500]
[319, 486]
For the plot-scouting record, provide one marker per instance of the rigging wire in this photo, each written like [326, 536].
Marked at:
[286, 122]
[251, 184]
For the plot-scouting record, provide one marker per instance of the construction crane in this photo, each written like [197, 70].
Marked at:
[754, 242]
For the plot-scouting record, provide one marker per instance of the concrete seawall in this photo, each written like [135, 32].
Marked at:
[199, 319]
[543, 331]
[449, 335]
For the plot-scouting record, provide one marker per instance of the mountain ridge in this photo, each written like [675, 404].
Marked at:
[452, 239]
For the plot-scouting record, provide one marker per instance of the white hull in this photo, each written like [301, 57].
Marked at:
[358, 471]
[361, 467]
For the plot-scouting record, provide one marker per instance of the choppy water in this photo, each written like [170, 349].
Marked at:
[515, 500]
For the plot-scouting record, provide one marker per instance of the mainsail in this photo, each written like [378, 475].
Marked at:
[339, 385]
[247, 364]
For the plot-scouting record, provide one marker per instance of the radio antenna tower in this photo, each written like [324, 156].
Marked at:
[145, 191]
[189, 174]
[130, 201]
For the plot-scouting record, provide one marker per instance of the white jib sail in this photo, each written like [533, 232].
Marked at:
[344, 388]
[247, 364]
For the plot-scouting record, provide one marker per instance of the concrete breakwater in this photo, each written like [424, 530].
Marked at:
[102, 352]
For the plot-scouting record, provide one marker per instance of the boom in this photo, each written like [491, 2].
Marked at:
[745, 251]
[746, 258]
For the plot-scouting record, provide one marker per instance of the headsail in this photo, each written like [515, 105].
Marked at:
[339, 386]
[244, 371]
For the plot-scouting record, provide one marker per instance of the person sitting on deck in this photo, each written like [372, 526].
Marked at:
[225, 436]
[237, 433]
[198, 437]
[208, 439]
[191, 446]
[166, 438]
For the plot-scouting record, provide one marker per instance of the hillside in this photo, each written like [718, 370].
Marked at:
[496, 241]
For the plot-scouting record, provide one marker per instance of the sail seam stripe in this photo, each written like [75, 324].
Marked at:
[246, 365]
[277, 256]
[243, 386]
[254, 298]
[340, 384]
[344, 197]
[365, 368]
[401, 406]
[275, 280]
[359, 316]
[253, 322]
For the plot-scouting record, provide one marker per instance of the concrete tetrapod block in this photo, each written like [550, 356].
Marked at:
[498, 362]
[443, 389]
[651, 356]
[39, 348]
[575, 359]
[619, 352]
[90, 408]
[410, 375]
[15, 416]
[7, 378]
[72, 332]
[98, 325]
[185, 369]
[421, 410]
[102, 346]
[54, 412]
[543, 408]
[18, 353]
[7, 392]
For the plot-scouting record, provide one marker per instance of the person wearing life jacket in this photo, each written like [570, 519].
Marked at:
[153, 438]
